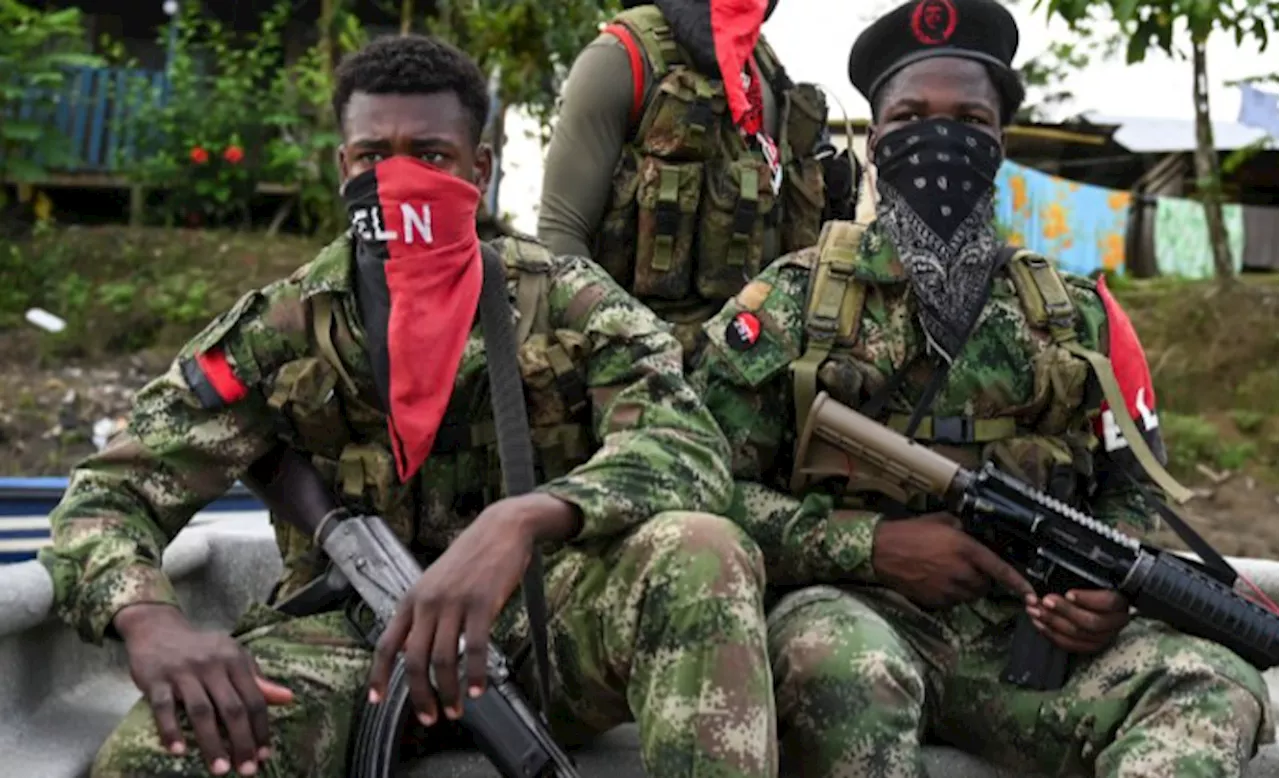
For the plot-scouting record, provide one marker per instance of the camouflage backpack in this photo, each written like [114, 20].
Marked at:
[691, 201]
[1035, 453]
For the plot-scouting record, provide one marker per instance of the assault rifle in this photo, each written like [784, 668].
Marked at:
[1056, 547]
[368, 558]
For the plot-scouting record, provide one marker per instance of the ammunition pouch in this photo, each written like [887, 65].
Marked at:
[692, 209]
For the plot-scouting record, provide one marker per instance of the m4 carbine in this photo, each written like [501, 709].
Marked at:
[1055, 546]
[367, 557]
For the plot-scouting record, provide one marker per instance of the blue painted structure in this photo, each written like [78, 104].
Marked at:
[25, 504]
[89, 111]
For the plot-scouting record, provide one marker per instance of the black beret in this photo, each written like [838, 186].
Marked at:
[980, 30]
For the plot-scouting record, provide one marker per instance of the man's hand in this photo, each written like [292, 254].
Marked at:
[1084, 622]
[460, 595]
[934, 563]
[210, 675]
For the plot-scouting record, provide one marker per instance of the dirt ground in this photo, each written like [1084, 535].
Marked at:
[1238, 517]
[48, 415]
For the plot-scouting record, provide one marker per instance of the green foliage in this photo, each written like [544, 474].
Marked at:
[123, 290]
[1248, 422]
[529, 43]
[36, 48]
[1194, 440]
[234, 116]
[1153, 23]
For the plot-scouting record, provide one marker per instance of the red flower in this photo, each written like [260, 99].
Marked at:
[233, 154]
[199, 155]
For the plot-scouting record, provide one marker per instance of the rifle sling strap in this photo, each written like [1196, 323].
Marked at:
[515, 447]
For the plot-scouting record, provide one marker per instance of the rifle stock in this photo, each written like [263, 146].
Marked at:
[1055, 546]
[837, 441]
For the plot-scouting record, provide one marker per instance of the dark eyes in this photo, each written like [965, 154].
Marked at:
[915, 116]
[374, 157]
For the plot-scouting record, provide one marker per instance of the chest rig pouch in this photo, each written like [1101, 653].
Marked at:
[692, 202]
[1045, 440]
[344, 429]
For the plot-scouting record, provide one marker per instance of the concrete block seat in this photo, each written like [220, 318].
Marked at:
[60, 698]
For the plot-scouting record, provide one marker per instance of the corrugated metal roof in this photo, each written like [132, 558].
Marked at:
[1146, 136]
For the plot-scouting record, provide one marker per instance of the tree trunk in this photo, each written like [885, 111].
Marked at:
[328, 10]
[498, 130]
[406, 16]
[1208, 176]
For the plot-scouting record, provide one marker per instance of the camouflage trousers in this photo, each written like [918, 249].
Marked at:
[664, 627]
[862, 677]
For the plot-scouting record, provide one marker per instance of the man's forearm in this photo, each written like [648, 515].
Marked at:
[550, 519]
[806, 542]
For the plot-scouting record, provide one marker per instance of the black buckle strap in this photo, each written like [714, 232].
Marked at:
[952, 430]
[744, 217]
[667, 218]
[573, 389]
[700, 114]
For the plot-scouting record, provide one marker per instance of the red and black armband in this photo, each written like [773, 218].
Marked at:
[212, 379]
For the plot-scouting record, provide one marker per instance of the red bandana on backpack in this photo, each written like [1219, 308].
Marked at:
[1129, 363]
[735, 28]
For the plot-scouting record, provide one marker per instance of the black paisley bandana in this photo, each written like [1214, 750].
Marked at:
[936, 181]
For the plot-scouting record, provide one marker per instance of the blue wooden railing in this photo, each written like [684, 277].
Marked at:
[25, 504]
[90, 111]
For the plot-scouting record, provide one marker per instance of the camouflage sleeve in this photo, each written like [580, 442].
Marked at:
[660, 450]
[191, 434]
[744, 376]
[1117, 499]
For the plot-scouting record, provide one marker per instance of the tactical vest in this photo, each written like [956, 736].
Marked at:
[345, 432]
[691, 201]
[1048, 445]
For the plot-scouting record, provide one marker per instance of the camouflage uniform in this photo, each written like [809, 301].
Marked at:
[689, 212]
[657, 619]
[861, 674]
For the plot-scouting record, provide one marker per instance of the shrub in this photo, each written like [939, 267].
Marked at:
[36, 49]
[231, 116]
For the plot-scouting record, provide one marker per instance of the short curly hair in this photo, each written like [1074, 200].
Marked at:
[412, 65]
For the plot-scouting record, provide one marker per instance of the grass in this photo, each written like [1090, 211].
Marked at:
[1210, 348]
[122, 290]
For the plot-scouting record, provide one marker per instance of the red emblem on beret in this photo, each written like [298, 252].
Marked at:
[934, 21]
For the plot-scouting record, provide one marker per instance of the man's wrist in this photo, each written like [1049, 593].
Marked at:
[131, 620]
[546, 518]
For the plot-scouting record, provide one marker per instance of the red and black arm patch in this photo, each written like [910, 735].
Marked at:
[211, 378]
